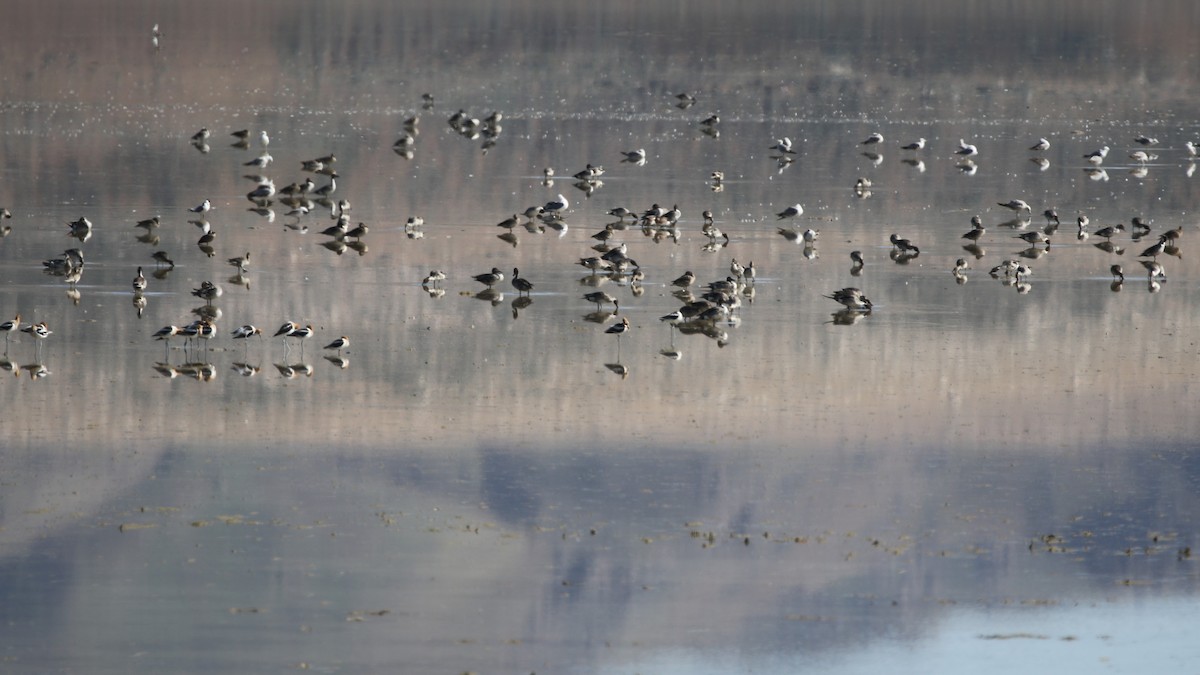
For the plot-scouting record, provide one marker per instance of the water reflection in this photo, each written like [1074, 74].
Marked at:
[848, 481]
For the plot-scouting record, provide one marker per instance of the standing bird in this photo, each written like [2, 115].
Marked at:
[873, 139]
[10, 327]
[246, 331]
[790, 212]
[635, 156]
[1118, 273]
[856, 259]
[490, 279]
[339, 344]
[918, 144]
[139, 282]
[203, 207]
[522, 285]
[619, 329]
[240, 262]
[852, 298]
[1016, 205]
[38, 330]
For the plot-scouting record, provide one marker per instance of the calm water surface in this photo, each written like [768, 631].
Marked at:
[978, 472]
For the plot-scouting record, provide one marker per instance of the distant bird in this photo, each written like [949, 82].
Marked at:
[10, 327]
[600, 298]
[240, 262]
[1117, 272]
[1139, 156]
[903, 245]
[1033, 237]
[790, 212]
[966, 149]
[1016, 205]
[167, 332]
[619, 329]
[856, 258]
[1155, 250]
[1097, 156]
[852, 298]
[711, 121]
[810, 236]
[161, 257]
[873, 139]
[201, 136]
[1041, 146]
[622, 213]
[434, 277]
[510, 223]
[490, 279]
[263, 139]
[960, 266]
[39, 330]
[918, 144]
[139, 282]
[684, 280]
[286, 328]
[339, 344]
[977, 229]
[1052, 216]
[522, 285]
[246, 331]
[635, 156]
[783, 145]
[1192, 149]
[207, 292]
[1110, 230]
[1153, 268]
[560, 204]
[1145, 140]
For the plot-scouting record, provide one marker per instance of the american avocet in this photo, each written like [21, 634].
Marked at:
[166, 332]
[619, 329]
[522, 285]
[38, 330]
[873, 139]
[490, 279]
[286, 329]
[203, 207]
[674, 318]
[246, 331]
[790, 212]
[139, 282]
[339, 344]
[1041, 146]
[10, 327]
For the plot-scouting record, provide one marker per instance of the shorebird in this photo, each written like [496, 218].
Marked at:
[1017, 205]
[1033, 237]
[167, 332]
[510, 223]
[1052, 217]
[10, 327]
[203, 207]
[139, 282]
[736, 269]
[635, 156]
[1109, 230]
[966, 149]
[38, 330]
[246, 331]
[522, 285]
[856, 258]
[783, 145]
[960, 266]
[852, 298]
[490, 279]
[600, 297]
[711, 121]
[434, 277]
[873, 139]
[903, 244]
[810, 236]
[918, 144]
[208, 292]
[977, 229]
[790, 212]
[240, 262]
[1041, 146]
[619, 329]
[1193, 150]
[684, 280]
[1097, 156]
[339, 344]
[1117, 272]
[1154, 269]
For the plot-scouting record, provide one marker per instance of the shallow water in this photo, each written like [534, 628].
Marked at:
[972, 473]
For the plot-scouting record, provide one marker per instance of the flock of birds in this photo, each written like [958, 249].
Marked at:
[709, 313]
